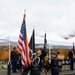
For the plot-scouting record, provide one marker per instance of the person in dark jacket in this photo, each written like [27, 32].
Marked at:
[71, 59]
[14, 59]
[34, 70]
[54, 64]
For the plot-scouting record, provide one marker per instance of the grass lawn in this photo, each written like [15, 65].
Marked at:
[0, 66]
[65, 67]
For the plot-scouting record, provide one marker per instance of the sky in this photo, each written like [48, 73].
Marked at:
[52, 16]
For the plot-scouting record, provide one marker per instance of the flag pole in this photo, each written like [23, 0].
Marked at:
[8, 66]
[33, 40]
[73, 48]
[9, 48]
[49, 54]
[24, 14]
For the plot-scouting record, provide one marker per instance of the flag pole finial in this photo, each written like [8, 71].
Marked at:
[33, 26]
[45, 31]
[24, 13]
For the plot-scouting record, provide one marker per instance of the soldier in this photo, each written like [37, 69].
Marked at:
[54, 64]
[71, 59]
[14, 59]
[34, 70]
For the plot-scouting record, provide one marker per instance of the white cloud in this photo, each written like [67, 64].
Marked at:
[56, 16]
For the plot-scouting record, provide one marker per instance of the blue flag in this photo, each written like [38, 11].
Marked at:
[45, 42]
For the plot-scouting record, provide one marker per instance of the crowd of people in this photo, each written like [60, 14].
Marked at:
[52, 66]
[16, 63]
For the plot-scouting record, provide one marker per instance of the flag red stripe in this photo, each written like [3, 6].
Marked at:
[23, 45]
[27, 50]
[20, 51]
[20, 43]
[25, 54]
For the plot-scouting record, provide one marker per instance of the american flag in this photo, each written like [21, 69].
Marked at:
[23, 45]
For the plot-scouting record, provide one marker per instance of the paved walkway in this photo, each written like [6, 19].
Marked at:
[66, 72]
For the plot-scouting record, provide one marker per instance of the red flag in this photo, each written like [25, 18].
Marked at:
[23, 44]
